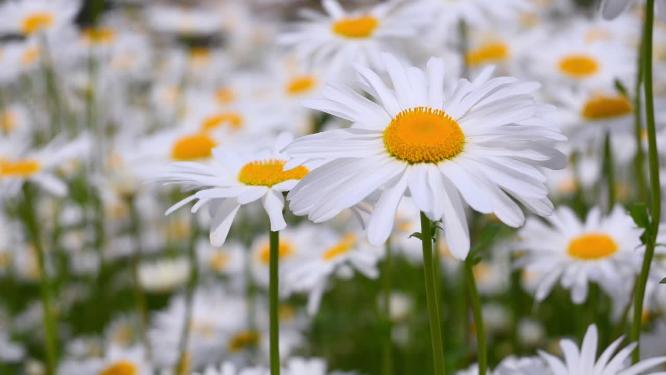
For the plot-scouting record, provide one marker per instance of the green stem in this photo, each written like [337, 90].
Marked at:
[431, 297]
[639, 158]
[273, 301]
[387, 363]
[182, 365]
[655, 189]
[475, 304]
[609, 168]
[32, 229]
[139, 293]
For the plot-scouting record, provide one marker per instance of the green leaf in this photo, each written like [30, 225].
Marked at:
[416, 234]
[619, 86]
[641, 215]
[663, 281]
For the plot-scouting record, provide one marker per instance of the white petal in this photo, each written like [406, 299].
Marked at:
[223, 216]
[273, 204]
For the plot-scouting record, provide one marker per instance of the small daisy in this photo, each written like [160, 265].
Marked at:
[233, 180]
[333, 255]
[482, 142]
[572, 60]
[32, 17]
[602, 249]
[164, 275]
[19, 164]
[337, 39]
[584, 361]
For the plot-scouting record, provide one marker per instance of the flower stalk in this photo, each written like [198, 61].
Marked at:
[432, 297]
[655, 187]
[274, 239]
[475, 304]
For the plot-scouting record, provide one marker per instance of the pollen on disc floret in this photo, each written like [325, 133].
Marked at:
[423, 135]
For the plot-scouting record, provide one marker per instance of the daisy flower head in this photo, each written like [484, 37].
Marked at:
[571, 59]
[335, 40]
[480, 142]
[447, 14]
[333, 255]
[233, 179]
[588, 115]
[584, 360]
[32, 17]
[20, 163]
[601, 249]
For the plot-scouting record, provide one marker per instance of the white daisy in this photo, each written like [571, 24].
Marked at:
[233, 180]
[332, 255]
[164, 275]
[584, 361]
[571, 59]
[602, 249]
[337, 39]
[482, 142]
[31, 17]
[20, 163]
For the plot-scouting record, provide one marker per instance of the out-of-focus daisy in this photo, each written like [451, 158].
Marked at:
[227, 261]
[333, 255]
[19, 163]
[602, 249]
[337, 39]
[216, 319]
[164, 275]
[235, 179]
[183, 20]
[610, 9]
[482, 142]
[513, 366]
[584, 361]
[588, 116]
[447, 14]
[32, 17]
[572, 60]
[294, 244]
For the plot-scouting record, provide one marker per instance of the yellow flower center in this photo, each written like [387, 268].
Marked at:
[233, 119]
[225, 95]
[121, 368]
[603, 107]
[578, 66]
[219, 261]
[340, 248]
[199, 55]
[592, 246]
[423, 135]
[243, 340]
[488, 53]
[37, 21]
[269, 173]
[301, 85]
[123, 335]
[193, 147]
[361, 27]
[99, 35]
[286, 249]
[19, 168]
[7, 121]
[30, 56]
[5, 259]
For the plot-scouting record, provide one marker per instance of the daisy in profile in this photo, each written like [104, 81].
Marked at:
[584, 360]
[234, 179]
[484, 142]
[32, 17]
[606, 250]
[333, 255]
[19, 164]
[339, 38]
